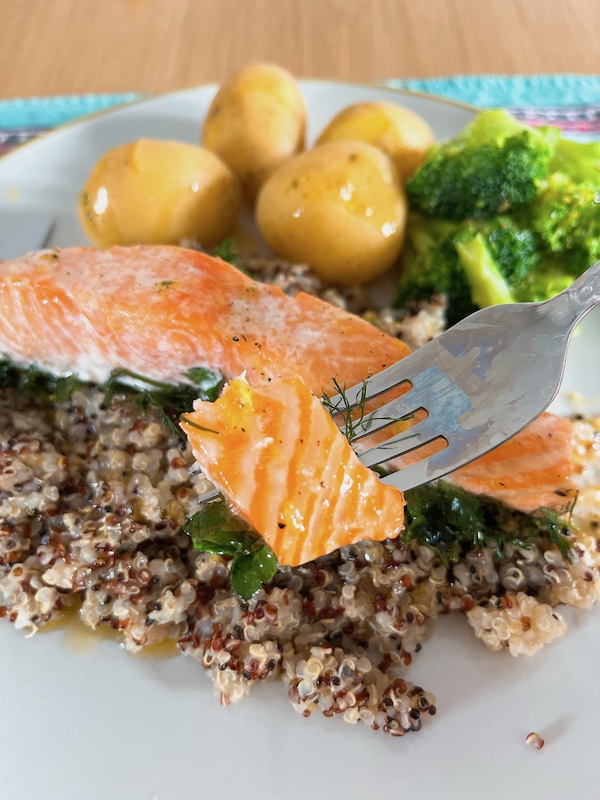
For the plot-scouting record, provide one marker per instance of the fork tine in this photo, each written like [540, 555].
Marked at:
[428, 469]
[402, 372]
[387, 415]
[443, 420]
[431, 382]
[391, 377]
[418, 435]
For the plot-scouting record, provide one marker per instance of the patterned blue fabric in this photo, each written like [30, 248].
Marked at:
[48, 112]
[500, 91]
[478, 90]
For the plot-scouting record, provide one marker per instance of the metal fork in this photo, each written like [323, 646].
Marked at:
[480, 382]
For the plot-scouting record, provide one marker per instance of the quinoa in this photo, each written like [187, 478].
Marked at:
[93, 503]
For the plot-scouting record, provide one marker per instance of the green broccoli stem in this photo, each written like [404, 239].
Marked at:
[488, 286]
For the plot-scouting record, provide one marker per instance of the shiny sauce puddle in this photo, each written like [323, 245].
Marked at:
[79, 639]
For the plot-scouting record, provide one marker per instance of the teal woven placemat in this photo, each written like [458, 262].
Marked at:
[479, 90]
[48, 112]
[488, 91]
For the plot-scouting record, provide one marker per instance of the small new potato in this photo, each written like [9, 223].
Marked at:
[158, 192]
[339, 208]
[400, 133]
[256, 123]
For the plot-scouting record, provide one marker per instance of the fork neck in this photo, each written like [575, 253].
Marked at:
[581, 296]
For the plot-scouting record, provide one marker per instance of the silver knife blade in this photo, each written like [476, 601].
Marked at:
[27, 231]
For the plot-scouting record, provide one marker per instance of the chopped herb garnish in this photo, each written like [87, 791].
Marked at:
[216, 529]
[171, 400]
[209, 381]
[193, 424]
[37, 382]
[227, 251]
[556, 528]
[353, 416]
[452, 521]
[166, 283]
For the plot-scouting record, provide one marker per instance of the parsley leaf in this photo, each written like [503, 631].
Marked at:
[215, 529]
[451, 521]
[251, 570]
[210, 528]
[223, 543]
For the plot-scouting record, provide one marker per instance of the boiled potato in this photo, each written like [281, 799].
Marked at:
[157, 192]
[256, 123]
[404, 136]
[339, 208]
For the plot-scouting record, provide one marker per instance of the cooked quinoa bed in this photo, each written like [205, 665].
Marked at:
[93, 501]
[92, 504]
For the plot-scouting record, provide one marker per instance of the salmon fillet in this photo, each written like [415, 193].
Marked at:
[160, 311]
[532, 470]
[279, 458]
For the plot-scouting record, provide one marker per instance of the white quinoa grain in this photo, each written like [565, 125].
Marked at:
[93, 500]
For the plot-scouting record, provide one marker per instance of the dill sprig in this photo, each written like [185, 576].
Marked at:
[195, 425]
[350, 417]
[353, 415]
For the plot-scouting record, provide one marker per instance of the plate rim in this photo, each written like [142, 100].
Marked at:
[342, 733]
[102, 112]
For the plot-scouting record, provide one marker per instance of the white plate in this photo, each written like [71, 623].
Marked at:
[109, 726]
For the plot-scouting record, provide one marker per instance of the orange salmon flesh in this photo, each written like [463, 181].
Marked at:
[160, 311]
[286, 468]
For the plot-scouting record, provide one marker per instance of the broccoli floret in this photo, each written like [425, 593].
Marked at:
[566, 214]
[495, 165]
[474, 263]
[514, 247]
[489, 287]
[505, 213]
[430, 264]
[546, 282]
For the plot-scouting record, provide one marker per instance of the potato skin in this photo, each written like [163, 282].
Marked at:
[256, 123]
[400, 133]
[339, 208]
[159, 192]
